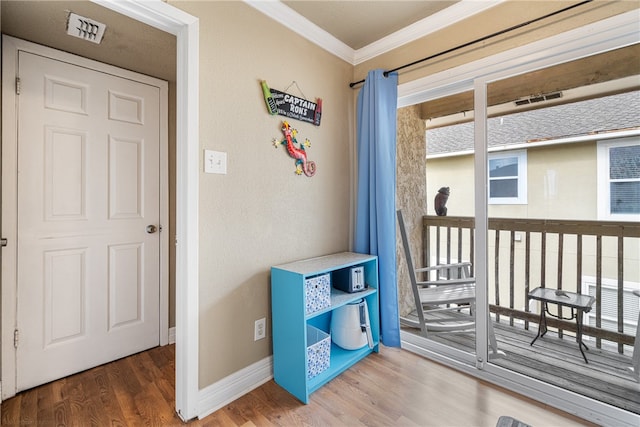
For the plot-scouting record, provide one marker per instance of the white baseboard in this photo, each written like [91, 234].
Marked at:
[172, 335]
[225, 391]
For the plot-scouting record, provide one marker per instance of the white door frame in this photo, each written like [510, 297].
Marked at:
[186, 29]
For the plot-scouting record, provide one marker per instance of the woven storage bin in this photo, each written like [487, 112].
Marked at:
[318, 351]
[317, 293]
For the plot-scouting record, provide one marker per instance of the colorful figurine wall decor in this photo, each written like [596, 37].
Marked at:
[296, 150]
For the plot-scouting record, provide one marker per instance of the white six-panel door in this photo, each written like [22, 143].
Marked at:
[88, 218]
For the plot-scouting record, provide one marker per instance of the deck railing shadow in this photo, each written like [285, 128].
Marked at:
[558, 254]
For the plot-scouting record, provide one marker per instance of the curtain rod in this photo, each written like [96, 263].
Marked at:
[481, 39]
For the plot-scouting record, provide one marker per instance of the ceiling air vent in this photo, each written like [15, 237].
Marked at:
[538, 98]
[85, 28]
[554, 95]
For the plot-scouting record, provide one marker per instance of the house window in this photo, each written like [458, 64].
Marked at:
[508, 178]
[619, 179]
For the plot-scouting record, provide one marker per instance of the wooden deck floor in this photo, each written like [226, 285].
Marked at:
[559, 362]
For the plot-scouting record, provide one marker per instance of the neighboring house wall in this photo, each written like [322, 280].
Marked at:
[548, 162]
[562, 182]
[439, 173]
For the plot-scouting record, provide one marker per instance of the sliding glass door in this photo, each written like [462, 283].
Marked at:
[439, 216]
[550, 194]
[563, 205]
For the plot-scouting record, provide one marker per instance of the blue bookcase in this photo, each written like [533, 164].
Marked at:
[290, 319]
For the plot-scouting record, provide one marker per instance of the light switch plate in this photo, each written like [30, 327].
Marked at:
[215, 162]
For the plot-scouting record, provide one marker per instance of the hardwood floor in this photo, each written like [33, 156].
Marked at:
[392, 388]
[137, 390]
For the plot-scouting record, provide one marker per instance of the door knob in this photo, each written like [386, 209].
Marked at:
[151, 229]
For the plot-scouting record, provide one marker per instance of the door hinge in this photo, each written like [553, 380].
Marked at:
[16, 338]
[18, 85]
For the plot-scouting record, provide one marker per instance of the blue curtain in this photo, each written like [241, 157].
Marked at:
[375, 217]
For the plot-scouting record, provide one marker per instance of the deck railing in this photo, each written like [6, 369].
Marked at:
[525, 253]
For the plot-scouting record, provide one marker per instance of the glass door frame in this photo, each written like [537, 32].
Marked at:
[609, 34]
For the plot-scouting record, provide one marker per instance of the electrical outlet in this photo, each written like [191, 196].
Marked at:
[259, 331]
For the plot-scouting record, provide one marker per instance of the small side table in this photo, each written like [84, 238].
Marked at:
[577, 302]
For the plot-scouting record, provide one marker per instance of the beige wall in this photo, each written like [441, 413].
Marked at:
[574, 170]
[572, 165]
[261, 213]
[461, 191]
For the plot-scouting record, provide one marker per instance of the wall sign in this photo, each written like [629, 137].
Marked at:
[291, 106]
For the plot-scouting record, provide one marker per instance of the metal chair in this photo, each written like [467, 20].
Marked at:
[441, 301]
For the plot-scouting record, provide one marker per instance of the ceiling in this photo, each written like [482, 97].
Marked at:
[359, 23]
[358, 30]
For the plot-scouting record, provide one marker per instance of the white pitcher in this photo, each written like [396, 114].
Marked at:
[350, 328]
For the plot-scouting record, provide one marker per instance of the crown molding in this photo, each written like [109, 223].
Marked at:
[446, 17]
[297, 23]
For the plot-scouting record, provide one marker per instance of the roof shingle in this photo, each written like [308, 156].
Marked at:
[614, 112]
